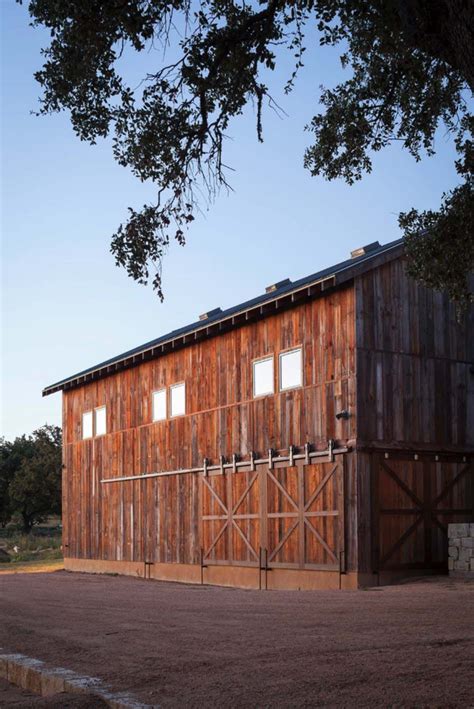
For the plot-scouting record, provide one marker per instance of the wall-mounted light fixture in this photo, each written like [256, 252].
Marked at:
[342, 414]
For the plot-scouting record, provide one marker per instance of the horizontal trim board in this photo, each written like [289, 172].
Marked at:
[326, 456]
[428, 452]
[281, 579]
[244, 576]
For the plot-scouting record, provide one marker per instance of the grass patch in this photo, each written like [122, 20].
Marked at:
[31, 567]
[42, 543]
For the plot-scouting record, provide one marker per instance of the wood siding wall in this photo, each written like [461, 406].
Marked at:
[160, 519]
[414, 360]
[414, 393]
[415, 388]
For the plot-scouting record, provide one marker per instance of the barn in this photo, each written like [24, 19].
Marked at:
[320, 435]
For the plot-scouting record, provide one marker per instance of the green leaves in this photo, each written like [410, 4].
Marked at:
[30, 476]
[409, 63]
[395, 93]
[440, 245]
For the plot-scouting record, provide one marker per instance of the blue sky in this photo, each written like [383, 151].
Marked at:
[66, 306]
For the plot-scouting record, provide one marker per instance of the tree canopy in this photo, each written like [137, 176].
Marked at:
[30, 476]
[410, 71]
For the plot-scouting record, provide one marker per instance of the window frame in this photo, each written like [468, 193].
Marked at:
[171, 387]
[85, 413]
[162, 390]
[280, 369]
[256, 361]
[98, 408]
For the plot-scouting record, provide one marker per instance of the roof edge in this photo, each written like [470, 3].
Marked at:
[314, 285]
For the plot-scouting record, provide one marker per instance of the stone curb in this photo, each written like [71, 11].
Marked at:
[34, 676]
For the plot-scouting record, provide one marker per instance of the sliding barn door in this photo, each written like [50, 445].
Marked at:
[231, 518]
[305, 516]
[415, 500]
[289, 517]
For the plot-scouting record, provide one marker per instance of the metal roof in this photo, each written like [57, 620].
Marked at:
[326, 278]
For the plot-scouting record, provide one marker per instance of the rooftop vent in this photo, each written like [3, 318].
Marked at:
[276, 286]
[362, 250]
[210, 313]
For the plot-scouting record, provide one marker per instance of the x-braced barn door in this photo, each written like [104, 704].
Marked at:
[231, 518]
[305, 516]
[289, 517]
[414, 500]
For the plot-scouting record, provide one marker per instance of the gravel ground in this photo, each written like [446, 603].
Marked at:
[201, 646]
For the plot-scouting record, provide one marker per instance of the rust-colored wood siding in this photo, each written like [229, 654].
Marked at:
[415, 386]
[160, 519]
[413, 398]
[221, 414]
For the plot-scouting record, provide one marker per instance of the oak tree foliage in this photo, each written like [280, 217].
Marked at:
[7, 470]
[409, 67]
[30, 476]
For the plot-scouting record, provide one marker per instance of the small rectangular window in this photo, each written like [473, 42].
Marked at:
[87, 431]
[291, 369]
[263, 377]
[100, 421]
[159, 405]
[178, 400]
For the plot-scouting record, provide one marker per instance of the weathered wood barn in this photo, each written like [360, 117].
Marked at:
[318, 436]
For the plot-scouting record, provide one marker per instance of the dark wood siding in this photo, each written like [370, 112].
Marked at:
[415, 393]
[414, 361]
[414, 501]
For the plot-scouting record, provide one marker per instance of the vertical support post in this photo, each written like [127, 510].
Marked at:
[342, 564]
[306, 453]
[229, 483]
[343, 508]
[427, 513]
[331, 450]
[266, 569]
[301, 526]
[375, 512]
[202, 565]
[263, 513]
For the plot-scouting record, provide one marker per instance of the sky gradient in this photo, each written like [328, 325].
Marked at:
[65, 305]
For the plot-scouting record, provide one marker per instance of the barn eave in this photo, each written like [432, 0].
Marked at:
[288, 295]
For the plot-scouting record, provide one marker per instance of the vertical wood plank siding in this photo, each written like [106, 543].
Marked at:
[415, 393]
[388, 351]
[160, 519]
[414, 360]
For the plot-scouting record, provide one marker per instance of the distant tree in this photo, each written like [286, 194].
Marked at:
[7, 470]
[410, 66]
[35, 485]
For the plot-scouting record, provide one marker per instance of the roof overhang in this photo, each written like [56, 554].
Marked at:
[292, 295]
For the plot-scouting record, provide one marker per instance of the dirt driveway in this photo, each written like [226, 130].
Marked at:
[201, 646]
